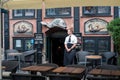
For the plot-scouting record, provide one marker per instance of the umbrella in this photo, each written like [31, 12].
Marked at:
[37, 4]
[75, 3]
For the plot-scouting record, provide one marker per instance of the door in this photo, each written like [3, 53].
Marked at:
[55, 45]
[57, 50]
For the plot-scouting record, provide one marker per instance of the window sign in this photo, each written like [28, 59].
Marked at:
[96, 26]
[23, 27]
[38, 38]
[18, 43]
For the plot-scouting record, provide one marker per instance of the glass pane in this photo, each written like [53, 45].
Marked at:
[29, 44]
[64, 11]
[103, 45]
[50, 11]
[29, 12]
[89, 45]
[18, 13]
[89, 10]
[103, 9]
[119, 11]
[57, 12]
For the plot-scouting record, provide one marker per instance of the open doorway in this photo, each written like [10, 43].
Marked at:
[55, 45]
[57, 50]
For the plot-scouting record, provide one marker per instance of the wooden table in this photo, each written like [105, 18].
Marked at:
[36, 68]
[67, 73]
[104, 72]
[68, 70]
[93, 57]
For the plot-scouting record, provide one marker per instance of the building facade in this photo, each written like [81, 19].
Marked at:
[88, 21]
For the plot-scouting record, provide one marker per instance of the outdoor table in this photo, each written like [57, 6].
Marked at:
[34, 69]
[104, 72]
[66, 73]
[16, 54]
[68, 70]
[93, 58]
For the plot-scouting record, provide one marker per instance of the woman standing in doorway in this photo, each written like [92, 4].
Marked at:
[70, 44]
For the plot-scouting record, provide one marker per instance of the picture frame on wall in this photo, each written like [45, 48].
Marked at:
[96, 26]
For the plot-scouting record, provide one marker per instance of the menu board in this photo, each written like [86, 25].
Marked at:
[38, 38]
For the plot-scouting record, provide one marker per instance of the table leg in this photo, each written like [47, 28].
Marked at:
[101, 61]
[85, 61]
[19, 63]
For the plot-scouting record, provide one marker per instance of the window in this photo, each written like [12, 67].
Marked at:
[29, 12]
[119, 11]
[18, 13]
[89, 45]
[96, 45]
[24, 13]
[103, 45]
[58, 12]
[96, 11]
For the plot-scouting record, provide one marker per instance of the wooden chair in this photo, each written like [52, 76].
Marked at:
[10, 67]
[11, 51]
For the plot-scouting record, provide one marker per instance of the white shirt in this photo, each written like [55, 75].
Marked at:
[73, 39]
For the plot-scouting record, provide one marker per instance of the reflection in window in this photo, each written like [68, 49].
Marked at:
[18, 12]
[29, 12]
[57, 12]
[64, 11]
[50, 11]
[119, 11]
[96, 10]
[103, 45]
[89, 45]
[24, 13]
[103, 9]
[89, 10]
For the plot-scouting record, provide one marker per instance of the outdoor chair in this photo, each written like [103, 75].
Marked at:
[108, 57]
[22, 76]
[28, 57]
[101, 78]
[9, 57]
[106, 67]
[80, 56]
[10, 67]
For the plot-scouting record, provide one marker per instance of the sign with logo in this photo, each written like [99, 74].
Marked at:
[96, 26]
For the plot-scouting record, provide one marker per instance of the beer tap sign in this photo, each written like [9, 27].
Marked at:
[38, 45]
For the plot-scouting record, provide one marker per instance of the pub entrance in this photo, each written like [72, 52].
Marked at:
[55, 45]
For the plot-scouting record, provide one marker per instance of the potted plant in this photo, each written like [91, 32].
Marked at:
[114, 30]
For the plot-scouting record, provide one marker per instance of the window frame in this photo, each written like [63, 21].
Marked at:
[23, 11]
[56, 12]
[96, 11]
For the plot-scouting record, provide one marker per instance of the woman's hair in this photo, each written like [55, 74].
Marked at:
[70, 28]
